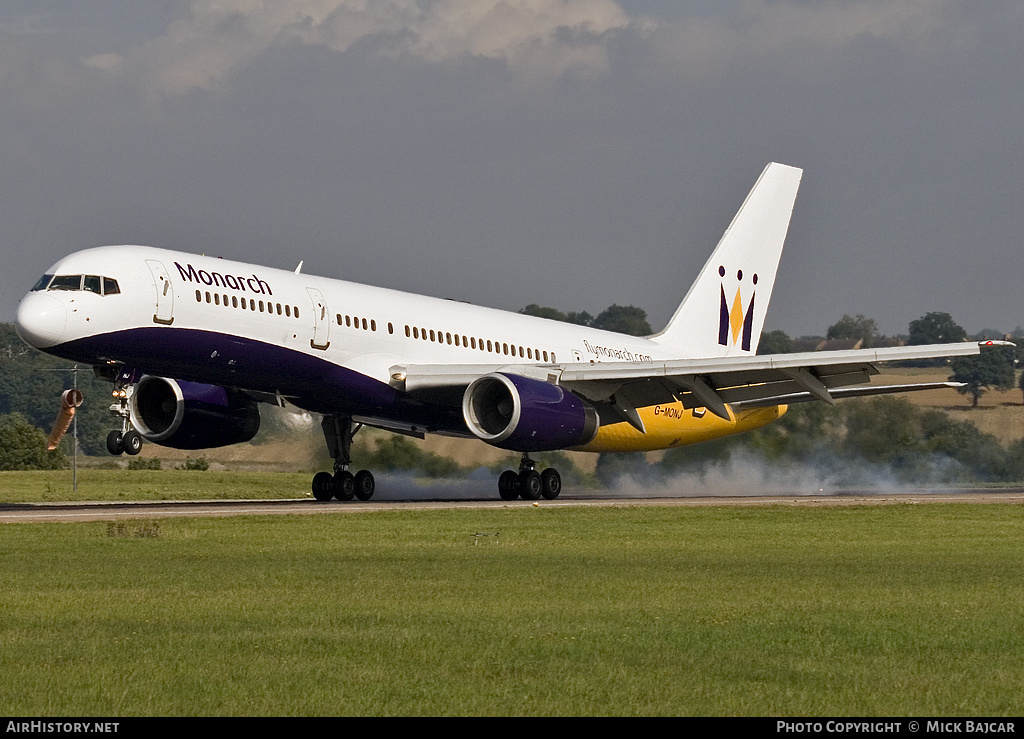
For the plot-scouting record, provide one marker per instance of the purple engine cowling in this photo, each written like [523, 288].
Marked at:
[526, 415]
[191, 415]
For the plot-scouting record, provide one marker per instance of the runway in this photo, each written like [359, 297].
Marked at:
[99, 511]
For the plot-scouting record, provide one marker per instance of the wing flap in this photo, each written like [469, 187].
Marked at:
[840, 393]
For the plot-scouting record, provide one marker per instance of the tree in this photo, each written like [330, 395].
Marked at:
[623, 319]
[935, 328]
[580, 319]
[541, 311]
[23, 446]
[31, 383]
[854, 327]
[775, 342]
[992, 368]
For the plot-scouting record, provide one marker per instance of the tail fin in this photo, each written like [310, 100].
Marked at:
[723, 312]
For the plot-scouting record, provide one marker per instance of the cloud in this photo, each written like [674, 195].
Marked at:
[218, 37]
[536, 38]
[761, 27]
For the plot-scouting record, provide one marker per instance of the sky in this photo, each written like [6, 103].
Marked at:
[570, 153]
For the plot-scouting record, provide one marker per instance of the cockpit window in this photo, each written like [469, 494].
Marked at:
[66, 282]
[92, 283]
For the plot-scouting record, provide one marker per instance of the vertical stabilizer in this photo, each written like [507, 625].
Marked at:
[723, 312]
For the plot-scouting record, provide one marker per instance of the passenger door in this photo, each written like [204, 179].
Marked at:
[164, 293]
[321, 320]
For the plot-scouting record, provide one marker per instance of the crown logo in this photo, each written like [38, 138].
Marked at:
[736, 322]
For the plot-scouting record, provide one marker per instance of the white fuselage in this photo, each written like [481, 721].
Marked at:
[185, 304]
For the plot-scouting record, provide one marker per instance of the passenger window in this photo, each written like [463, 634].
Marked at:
[295, 311]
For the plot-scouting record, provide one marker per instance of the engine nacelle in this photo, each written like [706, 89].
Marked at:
[191, 415]
[526, 415]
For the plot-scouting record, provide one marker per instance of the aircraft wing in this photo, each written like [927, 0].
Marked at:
[712, 383]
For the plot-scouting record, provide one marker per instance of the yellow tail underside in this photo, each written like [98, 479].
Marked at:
[671, 425]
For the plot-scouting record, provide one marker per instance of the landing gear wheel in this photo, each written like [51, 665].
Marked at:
[132, 442]
[364, 485]
[322, 486]
[551, 483]
[508, 485]
[114, 443]
[344, 485]
[530, 485]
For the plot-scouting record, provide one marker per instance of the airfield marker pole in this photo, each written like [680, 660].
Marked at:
[74, 439]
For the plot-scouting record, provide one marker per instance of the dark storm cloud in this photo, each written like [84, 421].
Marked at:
[588, 154]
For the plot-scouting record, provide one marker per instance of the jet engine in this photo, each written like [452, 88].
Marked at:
[526, 415]
[191, 415]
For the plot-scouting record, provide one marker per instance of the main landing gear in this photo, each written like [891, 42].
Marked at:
[342, 485]
[528, 483]
[126, 440]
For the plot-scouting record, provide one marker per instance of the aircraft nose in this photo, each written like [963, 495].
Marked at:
[41, 320]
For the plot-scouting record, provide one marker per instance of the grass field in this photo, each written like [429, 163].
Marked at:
[890, 611]
[140, 485]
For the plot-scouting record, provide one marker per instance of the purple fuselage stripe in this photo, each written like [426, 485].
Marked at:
[311, 383]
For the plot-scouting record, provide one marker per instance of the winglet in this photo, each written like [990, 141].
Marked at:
[723, 312]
